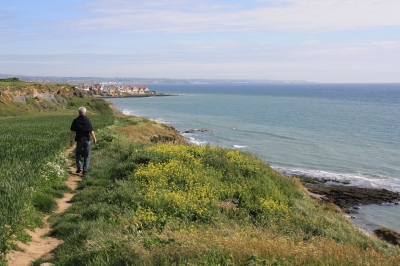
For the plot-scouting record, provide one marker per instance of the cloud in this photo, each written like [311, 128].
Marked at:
[320, 56]
[7, 13]
[216, 39]
[216, 16]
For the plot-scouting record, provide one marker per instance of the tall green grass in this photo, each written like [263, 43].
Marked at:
[170, 204]
[32, 170]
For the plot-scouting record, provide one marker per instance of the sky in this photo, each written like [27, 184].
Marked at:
[333, 41]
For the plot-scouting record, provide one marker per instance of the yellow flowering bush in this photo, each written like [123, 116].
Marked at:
[245, 162]
[193, 182]
[144, 218]
[273, 208]
[181, 186]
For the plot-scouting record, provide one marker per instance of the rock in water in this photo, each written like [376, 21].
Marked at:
[388, 235]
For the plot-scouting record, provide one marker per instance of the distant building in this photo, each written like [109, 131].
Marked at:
[142, 90]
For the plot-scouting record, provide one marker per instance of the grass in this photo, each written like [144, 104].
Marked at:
[12, 81]
[164, 204]
[32, 171]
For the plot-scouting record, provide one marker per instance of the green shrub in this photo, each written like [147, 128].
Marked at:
[44, 202]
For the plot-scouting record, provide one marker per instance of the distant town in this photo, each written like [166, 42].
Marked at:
[113, 90]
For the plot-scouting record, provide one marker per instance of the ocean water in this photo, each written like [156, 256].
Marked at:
[343, 132]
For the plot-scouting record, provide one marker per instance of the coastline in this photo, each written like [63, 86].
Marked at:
[131, 95]
[350, 199]
[134, 221]
[347, 198]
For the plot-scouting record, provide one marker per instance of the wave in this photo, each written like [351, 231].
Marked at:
[353, 179]
[127, 112]
[158, 120]
[239, 146]
[195, 141]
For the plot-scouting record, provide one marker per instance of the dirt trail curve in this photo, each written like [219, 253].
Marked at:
[42, 246]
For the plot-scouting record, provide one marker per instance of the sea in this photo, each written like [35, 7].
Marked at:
[342, 132]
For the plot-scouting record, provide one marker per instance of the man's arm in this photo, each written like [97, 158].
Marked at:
[71, 138]
[93, 136]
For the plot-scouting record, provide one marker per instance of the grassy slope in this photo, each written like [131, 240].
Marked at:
[164, 204]
[32, 162]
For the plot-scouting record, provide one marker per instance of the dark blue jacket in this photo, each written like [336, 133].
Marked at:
[82, 126]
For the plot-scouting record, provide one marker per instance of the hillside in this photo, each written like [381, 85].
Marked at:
[25, 98]
[151, 199]
[34, 134]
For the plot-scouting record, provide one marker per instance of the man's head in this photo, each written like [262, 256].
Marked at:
[82, 111]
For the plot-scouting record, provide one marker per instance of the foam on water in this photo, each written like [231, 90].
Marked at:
[239, 146]
[354, 179]
[194, 140]
[160, 120]
[127, 112]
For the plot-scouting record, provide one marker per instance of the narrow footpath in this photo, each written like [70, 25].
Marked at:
[41, 246]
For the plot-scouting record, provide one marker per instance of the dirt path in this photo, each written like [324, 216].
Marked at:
[42, 246]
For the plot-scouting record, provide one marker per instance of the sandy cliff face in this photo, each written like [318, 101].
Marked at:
[51, 93]
[35, 96]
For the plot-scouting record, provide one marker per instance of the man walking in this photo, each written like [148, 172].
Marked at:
[82, 129]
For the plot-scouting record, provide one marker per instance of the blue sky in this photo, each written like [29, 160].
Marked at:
[312, 40]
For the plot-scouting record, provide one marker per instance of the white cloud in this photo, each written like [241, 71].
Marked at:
[206, 16]
[372, 62]
[102, 44]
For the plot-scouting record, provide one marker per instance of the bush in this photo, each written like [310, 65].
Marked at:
[44, 202]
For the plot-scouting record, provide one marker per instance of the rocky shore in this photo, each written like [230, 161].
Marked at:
[348, 198]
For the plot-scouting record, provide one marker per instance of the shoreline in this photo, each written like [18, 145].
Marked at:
[132, 95]
[346, 196]
[350, 199]
[340, 193]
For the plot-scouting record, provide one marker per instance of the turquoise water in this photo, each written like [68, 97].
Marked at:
[344, 132]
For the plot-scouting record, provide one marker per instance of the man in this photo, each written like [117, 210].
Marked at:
[82, 129]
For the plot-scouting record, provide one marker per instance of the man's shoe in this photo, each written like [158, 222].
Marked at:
[84, 172]
[78, 171]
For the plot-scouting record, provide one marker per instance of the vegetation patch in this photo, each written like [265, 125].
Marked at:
[32, 171]
[165, 204]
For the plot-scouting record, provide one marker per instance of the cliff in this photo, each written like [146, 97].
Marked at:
[22, 98]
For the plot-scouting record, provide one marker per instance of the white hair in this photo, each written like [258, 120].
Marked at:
[82, 111]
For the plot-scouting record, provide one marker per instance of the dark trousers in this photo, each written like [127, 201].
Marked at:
[82, 151]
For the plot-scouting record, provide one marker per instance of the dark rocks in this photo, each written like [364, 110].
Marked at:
[195, 130]
[349, 196]
[346, 196]
[388, 235]
[164, 139]
[313, 180]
